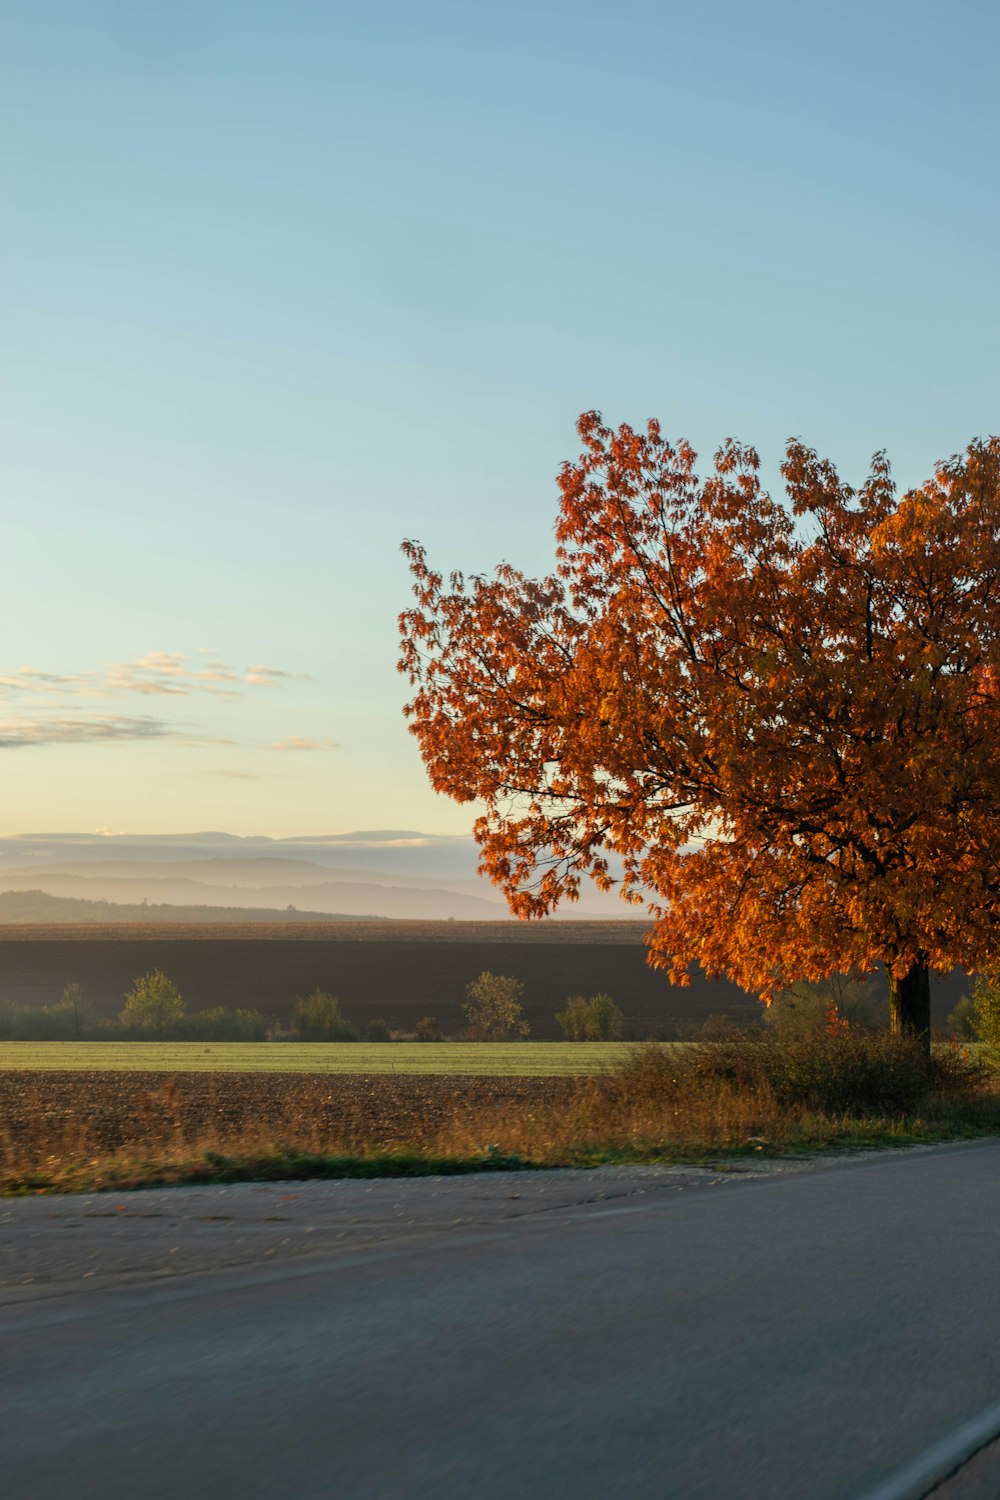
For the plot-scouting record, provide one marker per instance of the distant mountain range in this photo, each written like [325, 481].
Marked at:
[383, 873]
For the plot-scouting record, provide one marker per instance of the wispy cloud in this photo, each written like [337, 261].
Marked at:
[260, 676]
[218, 672]
[199, 741]
[156, 674]
[31, 680]
[83, 730]
[296, 742]
[65, 708]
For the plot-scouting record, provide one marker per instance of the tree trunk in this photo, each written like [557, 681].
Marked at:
[910, 1003]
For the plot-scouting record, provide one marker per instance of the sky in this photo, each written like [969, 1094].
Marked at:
[285, 281]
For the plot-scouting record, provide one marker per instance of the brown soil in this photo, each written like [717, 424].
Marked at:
[108, 1111]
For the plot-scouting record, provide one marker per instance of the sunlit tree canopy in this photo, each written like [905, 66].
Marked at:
[774, 721]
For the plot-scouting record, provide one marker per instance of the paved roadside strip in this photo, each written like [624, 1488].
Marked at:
[66, 1240]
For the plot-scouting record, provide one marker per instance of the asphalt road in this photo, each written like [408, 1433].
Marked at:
[829, 1333]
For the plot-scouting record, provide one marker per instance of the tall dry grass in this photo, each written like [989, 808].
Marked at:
[752, 1091]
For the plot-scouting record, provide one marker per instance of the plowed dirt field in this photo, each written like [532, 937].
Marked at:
[106, 1111]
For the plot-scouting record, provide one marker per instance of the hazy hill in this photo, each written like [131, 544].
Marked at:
[25, 907]
[393, 873]
[327, 896]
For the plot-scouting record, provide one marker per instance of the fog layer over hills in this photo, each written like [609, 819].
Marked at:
[385, 872]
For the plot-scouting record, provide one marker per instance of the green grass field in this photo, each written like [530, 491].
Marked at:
[482, 1059]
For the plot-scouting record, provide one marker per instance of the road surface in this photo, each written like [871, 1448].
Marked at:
[828, 1332]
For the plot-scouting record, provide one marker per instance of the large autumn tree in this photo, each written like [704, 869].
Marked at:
[775, 722]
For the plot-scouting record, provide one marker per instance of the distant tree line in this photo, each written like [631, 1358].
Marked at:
[155, 1009]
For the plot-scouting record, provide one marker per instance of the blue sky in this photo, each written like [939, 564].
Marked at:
[285, 282]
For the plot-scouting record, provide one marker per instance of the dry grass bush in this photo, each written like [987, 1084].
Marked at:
[855, 1072]
[752, 1091]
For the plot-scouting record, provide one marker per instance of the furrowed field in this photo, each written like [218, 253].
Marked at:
[64, 1120]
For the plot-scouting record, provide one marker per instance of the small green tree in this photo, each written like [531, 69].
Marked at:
[606, 1019]
[429, 1029]
[986, 1011]
[318, 1018]
[798, 1011]
[574, 1021]
[74, 1002]
[493, 1008]
[153, 1003]
[595, 1020]
[804, 1008]
[961, 1022]
[378, 1031]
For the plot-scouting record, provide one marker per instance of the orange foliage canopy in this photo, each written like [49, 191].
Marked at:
[776, 722]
